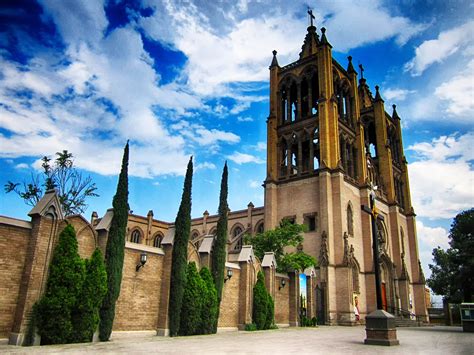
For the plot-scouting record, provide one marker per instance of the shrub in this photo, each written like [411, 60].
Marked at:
[250, 327]
[66, 276]
[191, 311]
[260, 303]
[270, 312]
[210, 305]
[85, 317]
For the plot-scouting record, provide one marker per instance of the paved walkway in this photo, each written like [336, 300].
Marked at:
[322, 340]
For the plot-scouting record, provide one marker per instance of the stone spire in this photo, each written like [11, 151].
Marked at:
[377, 94]
[324, 40]
[394, 113]
[274, 60]
[311, 42]
[350, 67]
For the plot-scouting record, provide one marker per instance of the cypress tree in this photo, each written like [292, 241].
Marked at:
[260, 302]
[66, 276]
[193, 297]
[180, 253]
[85, 317]
[210, 304]
[219, 252]
[114, 251]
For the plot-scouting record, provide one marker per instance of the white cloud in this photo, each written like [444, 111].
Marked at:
[244, 39]
[261, 146]
[397, 94]
[459, 93]
[205, 165]
[255, 184]
[430, 238]
[242, 158]
[244, 119]
[437, 50]
[442, 178]
[22, 166]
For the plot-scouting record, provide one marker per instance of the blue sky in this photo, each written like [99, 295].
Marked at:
[181, 78]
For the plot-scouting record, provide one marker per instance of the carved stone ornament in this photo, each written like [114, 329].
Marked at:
[323, 252]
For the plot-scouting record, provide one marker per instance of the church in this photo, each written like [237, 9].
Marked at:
[330, 145]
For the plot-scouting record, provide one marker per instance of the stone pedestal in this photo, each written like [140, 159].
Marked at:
[380, 329]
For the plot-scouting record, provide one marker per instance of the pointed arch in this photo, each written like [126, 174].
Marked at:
[157, 239]
[350, 219]
[136, 235]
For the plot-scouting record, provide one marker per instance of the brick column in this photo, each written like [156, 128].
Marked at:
[245, 294]
[162, 326]
[35, 273]
[294, 298]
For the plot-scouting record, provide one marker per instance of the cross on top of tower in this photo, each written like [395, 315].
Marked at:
[310, 16]
[361, 71]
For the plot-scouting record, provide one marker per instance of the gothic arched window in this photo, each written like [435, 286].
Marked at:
[136, 236]
[260, 228]
[157, 240]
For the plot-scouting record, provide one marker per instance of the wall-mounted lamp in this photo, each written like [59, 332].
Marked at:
[230, 272]
[142, 261]
[282, 284]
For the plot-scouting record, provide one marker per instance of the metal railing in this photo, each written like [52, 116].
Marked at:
[405, 314]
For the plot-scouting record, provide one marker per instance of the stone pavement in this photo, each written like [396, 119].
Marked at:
[322, 340]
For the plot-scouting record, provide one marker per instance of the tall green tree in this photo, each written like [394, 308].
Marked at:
[276, 240]
[114, 251]
[209, 311]
[63, 288]
[85, 316]
[452, 274]
[262, 313]
[219, 251]
[73, 188]
[180, 253]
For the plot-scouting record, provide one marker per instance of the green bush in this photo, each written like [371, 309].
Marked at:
[314, 322]
[64, 285]
[210, 304]
[85, 317]
[191, 311]
[260, 301]
[250, 327]
[270, 312]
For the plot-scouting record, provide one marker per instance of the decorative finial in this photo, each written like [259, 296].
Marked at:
[274, 60]
[394, 113]
[324, 40]
[310, 17]
[377, 94]
[350, 67]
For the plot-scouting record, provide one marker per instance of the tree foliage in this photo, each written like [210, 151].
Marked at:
[263, 306]
[219, 251]
[85, 316]
[114, 251]
[210, 305]
[73, 188]
[452, 274]
[193, 297]
[276, 240]
[180, 253]
[63, 289]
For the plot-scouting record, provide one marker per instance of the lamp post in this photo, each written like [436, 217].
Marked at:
[380, 325]
[374, 215]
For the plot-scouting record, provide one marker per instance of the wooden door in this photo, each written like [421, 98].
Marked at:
[384, 297]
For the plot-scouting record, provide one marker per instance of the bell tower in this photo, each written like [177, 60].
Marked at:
[330, 142]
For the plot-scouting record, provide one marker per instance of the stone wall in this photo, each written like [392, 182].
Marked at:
[138, 304]
[13, 242]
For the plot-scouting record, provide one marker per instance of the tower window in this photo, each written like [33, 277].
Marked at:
[310, 222]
